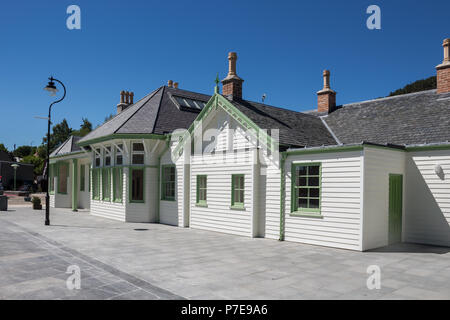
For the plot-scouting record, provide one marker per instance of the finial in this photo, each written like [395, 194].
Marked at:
[216, 88]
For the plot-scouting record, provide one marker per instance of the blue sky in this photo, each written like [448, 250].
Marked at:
[282, 47]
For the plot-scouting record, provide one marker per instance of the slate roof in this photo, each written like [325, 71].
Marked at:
[158, 113]
[416, 118]
[296, 129]
[68, 146]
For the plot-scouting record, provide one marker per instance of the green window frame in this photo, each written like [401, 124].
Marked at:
[137, 185]
[237, 191]
[82, 176]
[306, 187]
[96, 184]
[118, 184]
[106, 184]
[168, 182]
[63, 174]
[202, 183]
[51, 174]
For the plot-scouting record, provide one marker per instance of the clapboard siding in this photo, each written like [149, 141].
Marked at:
[427, 216]
[218, 216]
[340, 223]
[273, 188]
[378, 164]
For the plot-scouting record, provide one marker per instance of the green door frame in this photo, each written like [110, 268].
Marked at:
[395, 207]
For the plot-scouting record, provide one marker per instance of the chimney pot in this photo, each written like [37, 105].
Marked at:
[170, 83]
[131, 97]
[443, 70]
[232, 84]
[326, 98]
[175, 85]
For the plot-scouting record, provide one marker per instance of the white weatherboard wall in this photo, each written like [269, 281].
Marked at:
[427, 217]
[270, 194]
[340, 223]
[232, 156]
[378, 164]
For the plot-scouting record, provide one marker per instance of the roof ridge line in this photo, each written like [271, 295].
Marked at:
[159, 108]
[155, 92]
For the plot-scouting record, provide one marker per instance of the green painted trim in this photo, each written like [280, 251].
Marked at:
[197, 201]
[294, 208]
[306, 215]
[429, 148]
[238, 208]
[218, 100]
[74, 184]
[164, 197]
[96, 183]
[236, 205]
[326, 150]
[115, 197]
[130, 172]
[203, 205]
[106, 185]
[283, 156]
[122, 136]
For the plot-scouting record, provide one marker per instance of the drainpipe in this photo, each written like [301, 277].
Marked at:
[159, 176]
[282, 193]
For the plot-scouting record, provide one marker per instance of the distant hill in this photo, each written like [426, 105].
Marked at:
[419, 85]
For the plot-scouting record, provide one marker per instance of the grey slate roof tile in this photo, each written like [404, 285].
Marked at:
[416, 118]
[68, 146]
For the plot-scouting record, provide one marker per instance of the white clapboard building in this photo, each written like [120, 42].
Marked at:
[356, 176]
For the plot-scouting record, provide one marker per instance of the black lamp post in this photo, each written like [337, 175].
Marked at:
[52, 89]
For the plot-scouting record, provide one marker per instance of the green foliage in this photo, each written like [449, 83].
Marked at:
[38, 163]
[419, 85]
[36, 200]
[61, 132]
[24, 151]
[85, 128]
[3, 148]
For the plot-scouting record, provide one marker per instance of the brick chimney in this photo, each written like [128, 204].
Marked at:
[443, 70]
[326, 98]
[175, 85]
[126, 98]
[170, 83]
[232, 84]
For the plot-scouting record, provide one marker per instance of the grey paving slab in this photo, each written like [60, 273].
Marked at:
[168, 262]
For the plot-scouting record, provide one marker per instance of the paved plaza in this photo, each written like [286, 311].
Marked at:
[151, 261]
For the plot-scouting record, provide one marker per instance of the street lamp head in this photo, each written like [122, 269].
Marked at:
[15, 166]
[51, 87]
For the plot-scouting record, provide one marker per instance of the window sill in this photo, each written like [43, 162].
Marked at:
[204, 205]
[239, 208]
[137, 201]
[306, 214]
[117, 201]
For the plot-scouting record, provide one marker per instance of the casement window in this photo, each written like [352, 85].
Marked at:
[138, 153]
[201, 189]
[117, 184]
[96, 184]
[168, 183]
[306, 187]
[82, 176]
[63, 173]
[137, 184]
[237, 190]
[107, 156]
[106, 184]
[119, 155]
[97, 157]
[51, 179]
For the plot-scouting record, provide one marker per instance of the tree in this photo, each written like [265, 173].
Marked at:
[419, 85]
[85, 128]
[23, 151]
[61, 132]
[108, 118]
[3, 148]
[36, 161]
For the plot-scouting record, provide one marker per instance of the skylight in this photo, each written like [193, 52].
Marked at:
[191, 104]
